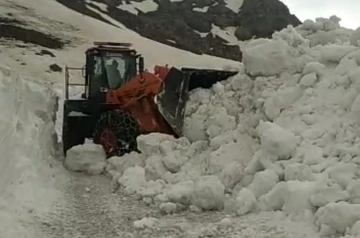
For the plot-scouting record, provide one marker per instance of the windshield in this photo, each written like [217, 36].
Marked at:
[115, 68]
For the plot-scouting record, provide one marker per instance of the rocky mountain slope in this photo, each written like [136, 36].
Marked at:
[211, 27]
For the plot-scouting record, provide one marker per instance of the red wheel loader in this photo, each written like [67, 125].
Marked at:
[121, 100]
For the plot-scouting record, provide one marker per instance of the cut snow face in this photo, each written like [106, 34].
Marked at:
[280, 135]
[27, 149]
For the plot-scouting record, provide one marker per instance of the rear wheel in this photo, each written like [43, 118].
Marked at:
[116, 131]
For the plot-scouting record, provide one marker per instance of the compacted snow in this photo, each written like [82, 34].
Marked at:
[26, 168]
[281, 135]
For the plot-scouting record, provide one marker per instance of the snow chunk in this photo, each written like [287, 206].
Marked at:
[152, 188]
[267, 57]
[89, 158]
[173, 162]
[133, 179]
[219, 123]
[168, 208]
[309, 24]
[355, 230]
[208, 193]
[334, 53]
[263, 182]
[313, 67]
[276, 141]
[343, 173]
[339, 216]
[155, 168]
[146, 222]
[355, 37]
[245, 201]
[180, 192]
[232, 173]
[324, 195]
[150, 144]
[274, 199]
[292, 197]
[281, 100]
[225, 222]
[297, 200]
[312, 155]
[354, 192]
[297, 171]
[308, 80]
[120, 164]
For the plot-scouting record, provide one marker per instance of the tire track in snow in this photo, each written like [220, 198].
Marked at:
[96, 213]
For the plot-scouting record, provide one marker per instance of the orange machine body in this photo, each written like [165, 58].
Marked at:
[137, 97]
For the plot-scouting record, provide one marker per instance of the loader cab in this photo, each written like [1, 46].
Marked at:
[109, 67]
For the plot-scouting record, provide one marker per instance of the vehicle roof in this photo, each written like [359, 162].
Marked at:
[111, 47]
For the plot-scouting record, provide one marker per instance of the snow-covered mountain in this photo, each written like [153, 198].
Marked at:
[32, 40]
[211, 27]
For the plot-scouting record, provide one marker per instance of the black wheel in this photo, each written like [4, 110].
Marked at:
[116, 131]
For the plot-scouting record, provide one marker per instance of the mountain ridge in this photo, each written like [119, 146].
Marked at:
[201, 27]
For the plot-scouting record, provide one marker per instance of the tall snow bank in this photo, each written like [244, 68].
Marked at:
[27, 147]
[282, 134]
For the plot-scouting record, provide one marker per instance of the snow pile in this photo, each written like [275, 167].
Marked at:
[88, 158]
[280, 135]
[27, 148]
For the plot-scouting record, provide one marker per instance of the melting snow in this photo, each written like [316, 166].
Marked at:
[144, 6]
[102, 6]
[227, 34]
[203, 9]
[234, 5]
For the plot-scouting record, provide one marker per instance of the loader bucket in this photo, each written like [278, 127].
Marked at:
[173, 95]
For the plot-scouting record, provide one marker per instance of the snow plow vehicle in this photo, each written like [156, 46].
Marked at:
[122, 100]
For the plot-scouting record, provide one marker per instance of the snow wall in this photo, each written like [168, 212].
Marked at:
[282, 135]
[26, 152]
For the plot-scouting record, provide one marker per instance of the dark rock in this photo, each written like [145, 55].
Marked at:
[80, 6]
[45, 52]
[243, 33]
[262, 18]
[201, 26]
[30, 36]
[10, 20]
[55, 68]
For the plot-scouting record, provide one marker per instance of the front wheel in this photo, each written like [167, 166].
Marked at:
[116, 131]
